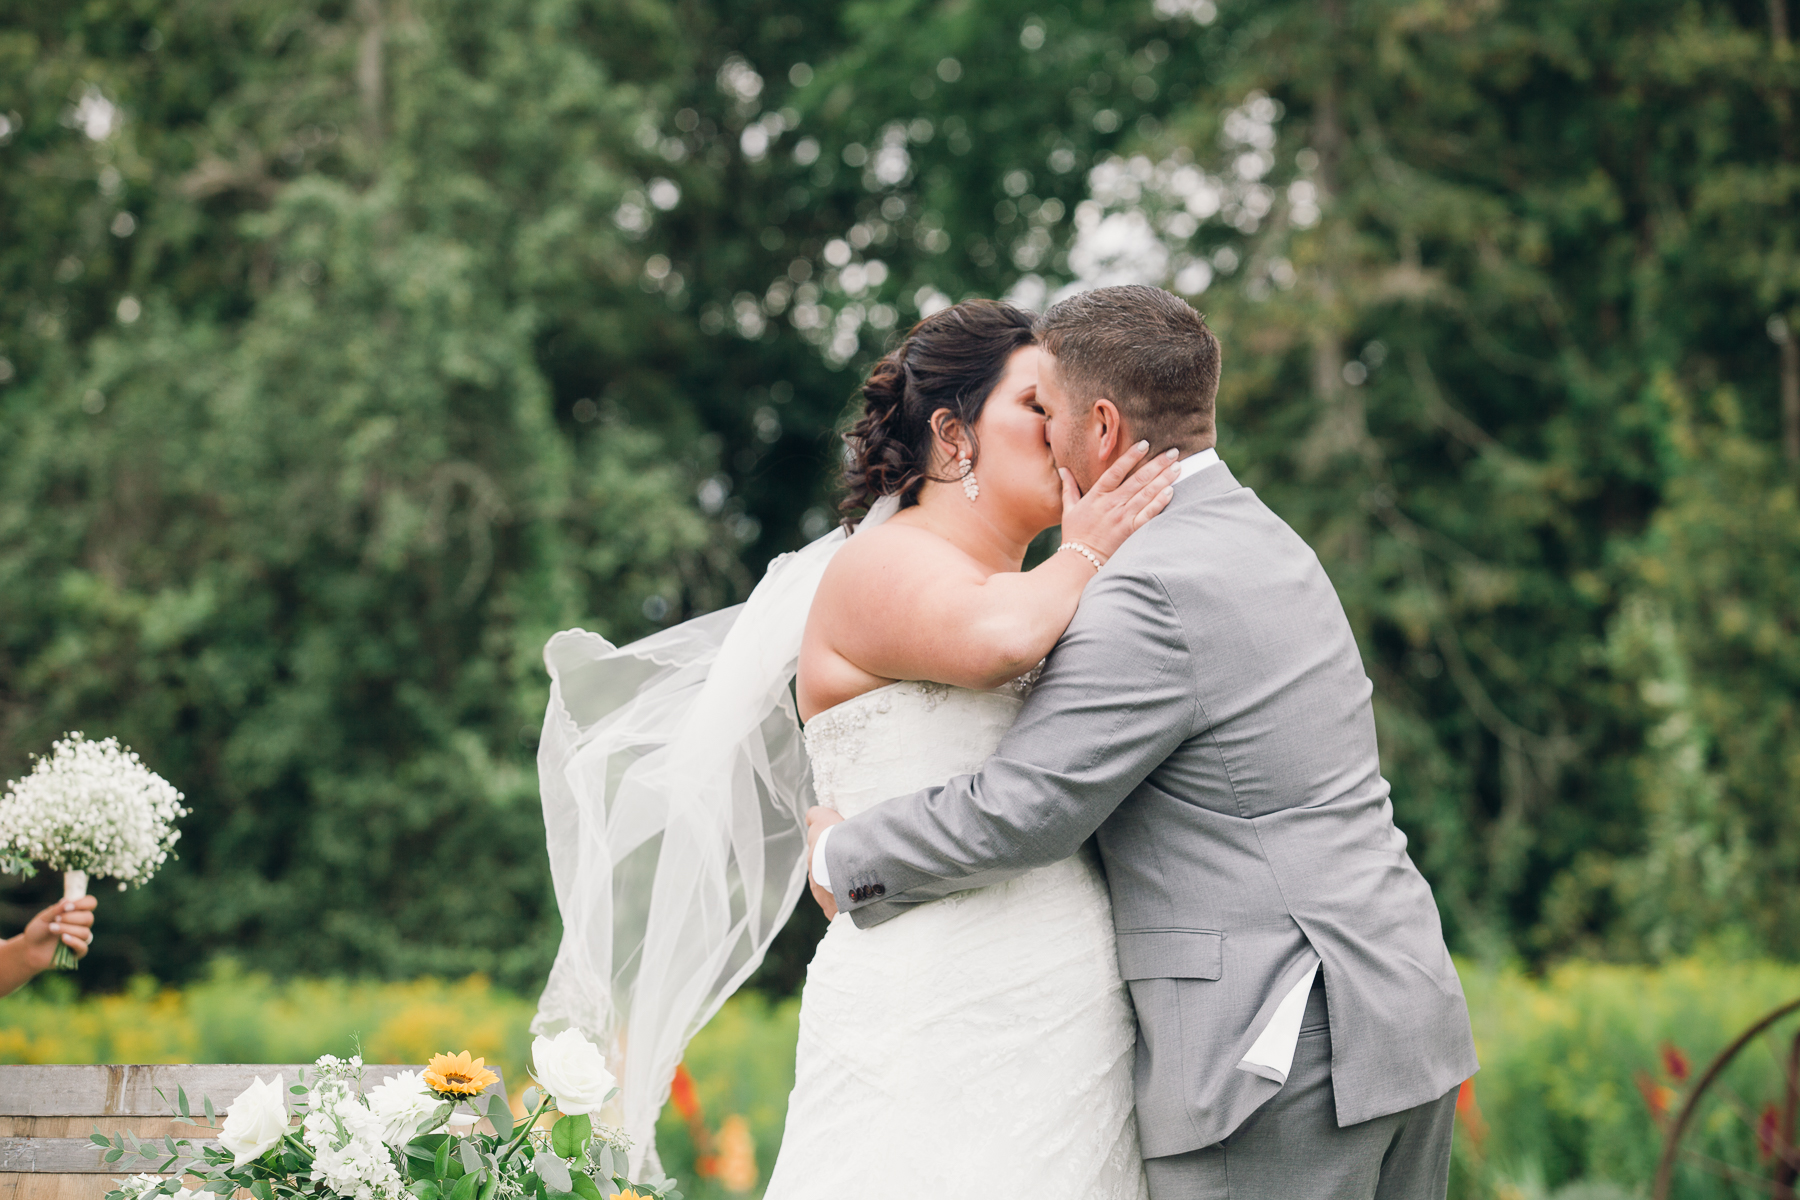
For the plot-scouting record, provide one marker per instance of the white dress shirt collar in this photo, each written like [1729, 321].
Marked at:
[1193, 464]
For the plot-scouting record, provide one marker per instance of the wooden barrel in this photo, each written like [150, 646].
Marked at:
[48, 1113]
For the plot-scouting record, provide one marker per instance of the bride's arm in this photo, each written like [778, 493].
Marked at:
[902, 603]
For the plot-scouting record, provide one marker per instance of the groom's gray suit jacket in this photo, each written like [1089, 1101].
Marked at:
[1206, 717]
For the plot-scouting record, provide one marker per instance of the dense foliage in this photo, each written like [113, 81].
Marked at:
[347, 348]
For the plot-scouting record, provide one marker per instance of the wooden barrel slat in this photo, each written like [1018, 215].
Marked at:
[70, 1156]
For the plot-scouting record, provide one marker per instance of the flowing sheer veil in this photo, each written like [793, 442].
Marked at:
[675, 787]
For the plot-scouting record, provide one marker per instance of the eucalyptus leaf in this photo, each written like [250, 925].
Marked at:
[554, 1172]
[571, 1134]
[500, 1115]
[471, 1161]
[532, 1098]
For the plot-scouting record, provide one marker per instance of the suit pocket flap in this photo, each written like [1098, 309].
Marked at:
[1171, 954]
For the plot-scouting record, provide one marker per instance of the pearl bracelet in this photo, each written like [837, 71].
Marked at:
[1082, 550]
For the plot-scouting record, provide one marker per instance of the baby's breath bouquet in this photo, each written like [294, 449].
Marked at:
[89, 809]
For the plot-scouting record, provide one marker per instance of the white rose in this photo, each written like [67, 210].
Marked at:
[255, 1121]
[570, 1068]
[400, 1103]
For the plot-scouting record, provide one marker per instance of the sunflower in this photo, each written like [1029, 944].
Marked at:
[454, 1075]
[627, 1194]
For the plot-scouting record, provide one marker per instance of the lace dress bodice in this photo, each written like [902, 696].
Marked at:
[903, 737]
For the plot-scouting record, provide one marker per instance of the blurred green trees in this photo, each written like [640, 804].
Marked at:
[349, 348]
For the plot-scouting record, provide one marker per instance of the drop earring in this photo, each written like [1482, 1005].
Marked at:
[970, 485]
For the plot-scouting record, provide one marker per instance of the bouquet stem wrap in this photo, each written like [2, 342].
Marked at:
[74, 888]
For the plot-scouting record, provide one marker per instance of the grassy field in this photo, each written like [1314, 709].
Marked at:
[1572, 1062]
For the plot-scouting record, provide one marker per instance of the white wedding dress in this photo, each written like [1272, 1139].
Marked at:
[978, 1046]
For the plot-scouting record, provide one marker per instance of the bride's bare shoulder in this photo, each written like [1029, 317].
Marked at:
[890, 560]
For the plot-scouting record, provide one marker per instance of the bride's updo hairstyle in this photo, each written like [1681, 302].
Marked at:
[950, 360]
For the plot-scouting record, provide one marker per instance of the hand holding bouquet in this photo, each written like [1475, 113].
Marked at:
[90, 808]
[399, 1141]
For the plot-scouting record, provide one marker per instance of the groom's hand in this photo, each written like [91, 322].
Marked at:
[817, 821]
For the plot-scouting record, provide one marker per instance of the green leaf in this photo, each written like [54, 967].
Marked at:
[471, 1161]
[532, 1099]
[424, 1189]
[181, 1100]
[441, 1167]
[569, 1135]
[114, 1155]
[99, 1139]
[585, 1187]
[297, 1089]
[465, 1187]
[501, 1116]
[554, 1172]
[210, 1118]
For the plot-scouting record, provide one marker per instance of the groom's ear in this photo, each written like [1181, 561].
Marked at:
[1108, 429]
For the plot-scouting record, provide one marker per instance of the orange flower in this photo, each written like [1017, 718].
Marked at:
[1675, 1062]
[1469, 1113]
[451, 1075]
[627, 1194]
[736, 1166]
[681, 1092]
[1657, 1096]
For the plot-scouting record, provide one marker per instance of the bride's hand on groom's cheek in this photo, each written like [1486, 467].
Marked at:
[817, 821]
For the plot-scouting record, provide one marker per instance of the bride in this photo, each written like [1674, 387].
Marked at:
[985, 1041]
[980, 1045]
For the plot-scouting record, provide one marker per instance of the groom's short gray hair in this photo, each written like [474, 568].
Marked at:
[1144, 349]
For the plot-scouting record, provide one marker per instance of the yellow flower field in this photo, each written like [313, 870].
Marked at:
[1572, 1062]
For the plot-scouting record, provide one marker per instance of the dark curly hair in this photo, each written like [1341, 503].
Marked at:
[950, 360]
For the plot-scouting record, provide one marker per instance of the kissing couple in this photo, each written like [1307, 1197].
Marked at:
[1118, 906]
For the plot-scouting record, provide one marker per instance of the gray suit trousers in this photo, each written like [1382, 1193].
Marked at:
[1293, 1149]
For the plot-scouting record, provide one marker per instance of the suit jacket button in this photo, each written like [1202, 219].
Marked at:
[881, 889]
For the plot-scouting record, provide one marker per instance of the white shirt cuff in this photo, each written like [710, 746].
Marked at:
[820, 875]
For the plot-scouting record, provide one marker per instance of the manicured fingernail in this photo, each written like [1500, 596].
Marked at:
[1143, 445]
[1175, 453]
[55, 927]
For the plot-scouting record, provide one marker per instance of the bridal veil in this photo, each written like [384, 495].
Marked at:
[675, 788]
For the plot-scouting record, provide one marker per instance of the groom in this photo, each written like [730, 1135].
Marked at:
[1206, 718]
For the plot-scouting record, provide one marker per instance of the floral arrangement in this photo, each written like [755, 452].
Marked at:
[410, 1138]
[90, 808]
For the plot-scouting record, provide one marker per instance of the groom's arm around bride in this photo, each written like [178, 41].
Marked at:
[1207, 720]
